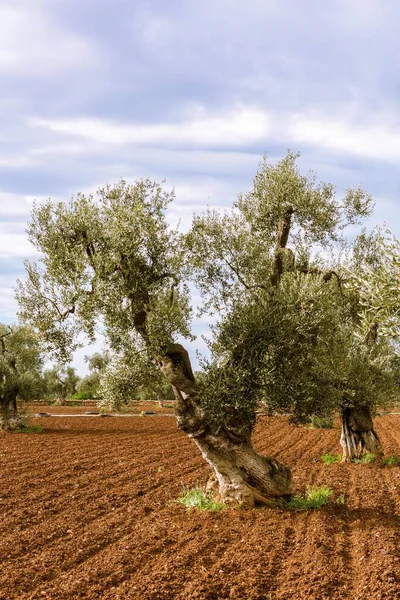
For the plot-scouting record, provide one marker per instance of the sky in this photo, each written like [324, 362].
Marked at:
[194, 93]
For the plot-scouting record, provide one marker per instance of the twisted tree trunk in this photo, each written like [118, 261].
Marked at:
[8, 410]
[358, 434]
[240, 476]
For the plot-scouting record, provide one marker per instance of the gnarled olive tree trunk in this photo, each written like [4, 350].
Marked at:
[240, 476]
[358, 434]
[8, 410]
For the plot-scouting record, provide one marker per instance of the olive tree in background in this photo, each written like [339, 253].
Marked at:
[89, 386]
[21, 364]
[132, 376]
[113, 257]
[377, 280]
[61, 383]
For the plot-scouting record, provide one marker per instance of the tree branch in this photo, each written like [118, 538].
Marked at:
[3, 346]
[238, 275]
[327, 275]
[282, 236]
[64, 315]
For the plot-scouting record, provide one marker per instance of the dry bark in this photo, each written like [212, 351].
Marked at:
[240, 476]
[8, 410]
[61, 400]
[283, 256]
[358, 434]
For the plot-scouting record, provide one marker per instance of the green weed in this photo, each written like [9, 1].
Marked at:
[29, 429]
[330, 459]
[314, 498]
[197, 498]
[365, 459]
[391, 461]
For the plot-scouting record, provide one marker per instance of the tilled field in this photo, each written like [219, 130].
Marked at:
[88, 511]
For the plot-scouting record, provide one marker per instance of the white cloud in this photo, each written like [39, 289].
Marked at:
[358, 16]
[15, 206]
[17, 161]
[33, 45]
[377, 140]
[193, 196]
[14, 244]
[68, 149]
[8, 304]
[158, 31]
[238, 127]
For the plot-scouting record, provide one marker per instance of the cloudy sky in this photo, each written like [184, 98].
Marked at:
[195, 93]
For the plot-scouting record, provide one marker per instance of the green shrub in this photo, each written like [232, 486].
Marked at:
[83, 396]
[314, 498]
[197, 498]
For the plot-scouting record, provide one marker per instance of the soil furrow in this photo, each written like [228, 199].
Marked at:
[87, 511]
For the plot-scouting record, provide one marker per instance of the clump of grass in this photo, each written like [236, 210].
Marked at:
[29, 429]
[314, 498]
[330, 459]
[324, 422]
[341, 499]
[391, 461]
[197, 498]
[366, 459]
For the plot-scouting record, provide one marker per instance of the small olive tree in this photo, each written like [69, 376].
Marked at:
[376, 278]
[89, 386]
[61, 382]
[132, 376]
[21, 363]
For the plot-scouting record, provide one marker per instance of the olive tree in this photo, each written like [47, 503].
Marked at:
[370, 278]
[90, 384]
[377, 282]
[21, 362]
[61, 382]
[290, 330]
[132, 376]
[112, 256]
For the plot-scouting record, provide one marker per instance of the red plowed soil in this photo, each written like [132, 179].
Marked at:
[91, 406]
[87, 511]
